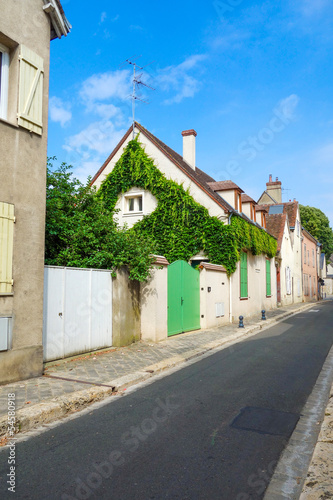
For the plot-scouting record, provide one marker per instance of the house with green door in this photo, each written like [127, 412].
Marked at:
[211, 226]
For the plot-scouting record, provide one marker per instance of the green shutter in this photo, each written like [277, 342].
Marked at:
[243, 276]
[268, 278]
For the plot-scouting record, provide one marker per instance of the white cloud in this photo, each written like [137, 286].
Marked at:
[110, 85]
[311, 7]
[88, 149]
[98, 137]
[177, 79]
[103, 17]
[288, 106]
[59, 111]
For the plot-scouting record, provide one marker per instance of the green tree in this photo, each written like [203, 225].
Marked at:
[318, 224]
[82, 232]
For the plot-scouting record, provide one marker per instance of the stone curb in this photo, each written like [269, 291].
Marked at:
[43, 413]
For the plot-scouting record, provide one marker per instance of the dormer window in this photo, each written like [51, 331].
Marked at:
[133, 204]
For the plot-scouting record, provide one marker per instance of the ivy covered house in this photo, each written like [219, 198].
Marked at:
[209, 224]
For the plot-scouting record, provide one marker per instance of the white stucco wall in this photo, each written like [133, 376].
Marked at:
[228, 196]
[257, 299]
[154, 306]
[218, 283]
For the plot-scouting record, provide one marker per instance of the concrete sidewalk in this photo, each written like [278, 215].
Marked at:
[72, 384]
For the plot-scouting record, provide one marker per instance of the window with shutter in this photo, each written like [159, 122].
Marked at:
[268, 278]
[243, 276]
[7, 220]
[30, 110]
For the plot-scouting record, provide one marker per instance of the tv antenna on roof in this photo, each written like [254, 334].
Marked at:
[136, 84]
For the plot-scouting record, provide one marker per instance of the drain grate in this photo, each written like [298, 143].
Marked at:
[266, 421]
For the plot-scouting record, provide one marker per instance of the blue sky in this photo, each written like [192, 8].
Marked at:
[254, 79]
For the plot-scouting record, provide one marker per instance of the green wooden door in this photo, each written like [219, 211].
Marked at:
[183, 298]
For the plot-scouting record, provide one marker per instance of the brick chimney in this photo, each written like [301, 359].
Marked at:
[274, 189]
[189, 147]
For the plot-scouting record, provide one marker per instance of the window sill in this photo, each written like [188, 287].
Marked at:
[11, 294]
[244, 298]
[10, 124]
[132, 214]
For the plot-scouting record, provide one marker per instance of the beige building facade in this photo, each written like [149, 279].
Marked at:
[25, 32]
[310, 267]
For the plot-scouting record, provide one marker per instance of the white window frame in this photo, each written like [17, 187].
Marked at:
[127, 197]
[4, 69]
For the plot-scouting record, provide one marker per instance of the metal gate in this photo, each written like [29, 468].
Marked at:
[77, 311]
[183, 298]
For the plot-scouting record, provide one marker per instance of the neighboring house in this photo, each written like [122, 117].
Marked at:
[284, 222]
[25, 32]
[328, 278]
[252, 286]
[310, 266]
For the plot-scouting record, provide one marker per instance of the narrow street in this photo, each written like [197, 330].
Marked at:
[212, 430]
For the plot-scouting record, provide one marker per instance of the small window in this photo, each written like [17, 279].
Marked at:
[304, 253]
[133, 204]
[4, 74]
[313, 258]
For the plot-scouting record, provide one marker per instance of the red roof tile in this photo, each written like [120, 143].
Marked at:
[224, 186]
[275, 225]
[212, 267]
[246, 199]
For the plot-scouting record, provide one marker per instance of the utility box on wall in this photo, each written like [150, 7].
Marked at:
[5, 334]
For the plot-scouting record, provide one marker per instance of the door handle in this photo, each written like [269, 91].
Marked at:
[181, 301]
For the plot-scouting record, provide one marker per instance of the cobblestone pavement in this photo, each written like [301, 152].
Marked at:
[105, 366]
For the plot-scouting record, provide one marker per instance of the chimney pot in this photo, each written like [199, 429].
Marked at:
[276, 179]
[189, 147]
[270, 177]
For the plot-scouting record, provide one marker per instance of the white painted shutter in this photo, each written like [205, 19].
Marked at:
[288, 280]
[7, 220]
[30, 110]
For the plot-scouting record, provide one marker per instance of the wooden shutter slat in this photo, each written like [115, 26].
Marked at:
[31, 91]
[7, 220]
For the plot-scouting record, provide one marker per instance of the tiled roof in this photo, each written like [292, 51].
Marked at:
[224, 186]
[160, 260]
[289, 208]
[261, 208]
[246, 198]
[275, 225]
[212, 267]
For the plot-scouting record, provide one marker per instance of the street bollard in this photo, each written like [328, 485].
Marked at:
[263, 312]
[241, 324]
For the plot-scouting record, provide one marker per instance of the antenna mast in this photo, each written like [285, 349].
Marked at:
[136, 83]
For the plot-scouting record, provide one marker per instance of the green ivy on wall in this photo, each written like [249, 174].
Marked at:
[179, 225]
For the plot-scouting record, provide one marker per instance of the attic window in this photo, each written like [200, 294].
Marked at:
[133, 204]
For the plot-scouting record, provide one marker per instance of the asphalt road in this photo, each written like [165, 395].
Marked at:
[212, 430]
